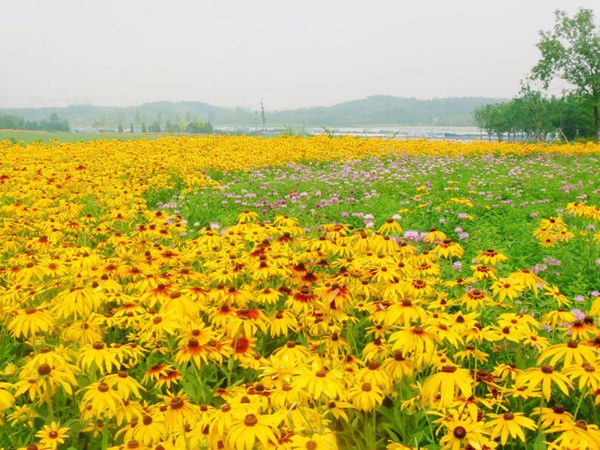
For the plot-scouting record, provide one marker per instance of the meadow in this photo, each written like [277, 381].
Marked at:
[21, 137]
[299, 293]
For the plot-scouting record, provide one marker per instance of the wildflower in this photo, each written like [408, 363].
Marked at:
[447, 383]
[460, 432]
[527, 278]
[30, 321]
[579, 435]
[491, 256]
[101, 399]
[569, 353]
[552, 417]
[247, 429]
[389, 227]
[366, 396]
[505, 288]
[448, 249]
[509, 424]
[587, 372]
[52, 435]
[318, 381]
[545, 376]
[315, 441]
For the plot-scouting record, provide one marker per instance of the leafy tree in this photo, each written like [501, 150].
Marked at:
[155, 127]
[120, 128]
[199, 126]
[571, 52]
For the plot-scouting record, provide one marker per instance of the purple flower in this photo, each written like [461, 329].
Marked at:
[462, 215]
[462, 236]
[411, 235]
[457, 265]
[539, 268]
[215, 225]
[552, 261]
[578, 298]
[345, 214]
[458, 230]
[579, 315]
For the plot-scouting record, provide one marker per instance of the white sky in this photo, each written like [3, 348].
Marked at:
[290, 54]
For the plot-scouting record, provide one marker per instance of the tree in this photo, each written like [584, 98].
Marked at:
[120, 128]
[571, 52]
[199, 126]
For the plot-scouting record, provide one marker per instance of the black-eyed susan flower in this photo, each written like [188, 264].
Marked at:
[248, 429]
[587, 374]
[491, 256]
[461, 431]
[365, 396]
[30, 321]
[444, 386]
[575, 435]
[315, 441]
[448, 248]
[179, 410]
[504, 288]
[545, 376]
[318, 380]
[552, 417]
[509, 424]
[97, 357]
[102, 400]
[568, 353]
[52, 435]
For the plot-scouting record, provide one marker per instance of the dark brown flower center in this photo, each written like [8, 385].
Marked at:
[44, 369]
[176, 403]
[459, 432]
[311, 445]
[547, 368]
[250, 420]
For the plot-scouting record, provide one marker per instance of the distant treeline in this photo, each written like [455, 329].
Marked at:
[194, 127]
[371, 111]
[534, 117]
[14, 122]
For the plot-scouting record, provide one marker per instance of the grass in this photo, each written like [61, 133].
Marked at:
[25, 137]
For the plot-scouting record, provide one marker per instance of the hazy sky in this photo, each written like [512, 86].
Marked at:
[288, 53]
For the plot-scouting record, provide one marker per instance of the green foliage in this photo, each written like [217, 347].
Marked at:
[14, 122]
[533, 117]
[199, 126]
[571, 52]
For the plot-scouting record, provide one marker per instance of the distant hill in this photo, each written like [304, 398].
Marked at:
[371, 111]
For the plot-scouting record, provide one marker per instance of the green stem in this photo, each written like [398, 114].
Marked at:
[578, 406]
[431, 435]
[49, 399]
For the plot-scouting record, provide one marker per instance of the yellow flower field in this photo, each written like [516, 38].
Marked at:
[120, 328]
